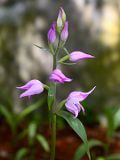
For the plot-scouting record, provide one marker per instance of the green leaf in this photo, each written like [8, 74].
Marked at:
[60, 105]
[32, 128]
[28, 110]
[113, 157]
[101, 158]
[77, 126]
[117, 118]
[21, 154]
[80, 152]
[111, 122]
[43, 142]
[22, 134]
[45, 49]
[9, 117]
[113, 118]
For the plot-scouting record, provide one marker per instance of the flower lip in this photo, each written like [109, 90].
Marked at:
[74, 107]
[32, 87]
[77, 55]
[58, 77]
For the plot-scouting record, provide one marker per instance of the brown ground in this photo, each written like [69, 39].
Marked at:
[67, 143]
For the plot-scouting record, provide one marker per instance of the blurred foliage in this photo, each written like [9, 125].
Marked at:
[113, 120]
[29, 129]
[14, 119]
[81, 150]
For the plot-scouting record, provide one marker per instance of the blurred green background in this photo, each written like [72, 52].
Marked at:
[94, 28]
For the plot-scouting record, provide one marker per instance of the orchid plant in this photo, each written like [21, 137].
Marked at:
[57, 37]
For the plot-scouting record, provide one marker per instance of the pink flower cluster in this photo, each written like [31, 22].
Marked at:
[34, 87]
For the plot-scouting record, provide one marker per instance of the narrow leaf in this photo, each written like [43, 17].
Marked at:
[21, 154]
[8, 116]
[117, 118]
[29, 109]
[113, 157]
[43, 142]
[32, 132]
[77, 126]
[60, 105]
[101, 158]
[45, 49]
[80, 152]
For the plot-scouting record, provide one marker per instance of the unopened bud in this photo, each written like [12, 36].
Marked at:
[61, 19]
[64, 33]
[52, 33]
[63, 15]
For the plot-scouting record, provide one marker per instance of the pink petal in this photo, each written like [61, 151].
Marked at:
[71, 107]
[52, 33]
[59, 77]
[29, 84]
[80, 96]
[35, 89]
[64, 33]
[55, 78]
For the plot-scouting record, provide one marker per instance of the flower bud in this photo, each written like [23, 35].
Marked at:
[52, 33]
[77, 55]
[63, 15]
[61, 19]
[64, 33]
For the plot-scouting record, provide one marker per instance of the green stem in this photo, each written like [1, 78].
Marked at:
[54, 61]
[53, 115]
[63, 59]
[53, 123]
[53, 137]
